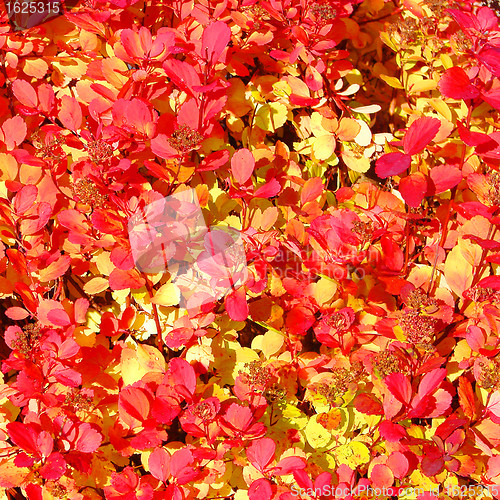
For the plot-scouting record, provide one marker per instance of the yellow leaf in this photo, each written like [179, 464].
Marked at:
[457, 271]
[323, 147]
[112, 69]
[348, 129]
[96, 285]
[355, 162]
[8, 167]
[35, 67]
[324, 290]
[150, 358]
[364, 137]
[237, 103]
[271, 116]
[422, 86]
[167, 295]
[246, 355]
[317, 436]
[352, 454]
[392, 81]
[131, 370]
[271, 343]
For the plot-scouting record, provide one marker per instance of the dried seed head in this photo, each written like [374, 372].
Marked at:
[489, 376]
[203, 411]
[493, 195]
[28, 340]
[185, 139]
[257, 374]
[88, 193]
[274, 394]
[337, 386]
[408, 30]
[418, 299]
[481, 294]
[59, 491]
[99, 150]
[417, 327]
[78, 401]
[324, 11]
[363, 230]
[386, 362]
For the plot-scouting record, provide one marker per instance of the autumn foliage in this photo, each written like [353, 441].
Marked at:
[355, 147]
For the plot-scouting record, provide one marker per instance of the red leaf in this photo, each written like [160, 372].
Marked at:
[311, 190]
[299, 319]
[42, 212]
[391, 432]
[445, 177]
[261, 453]
[381, 476]
[107, 222]
[214, 161]
[393, 255]
[236, 305]
[25, 93]
[492, 98]
[260, 490]
[455, 84]
[23, 436]
[161, 147]
[214, 40]
[399, 464]
[120, 280]
[288, 465]
[413, 189]
[368, 404]
[490, 282]
[268, 190]
[399, 386]
[420, 133]
[16, 313]
[70, 113]
[475, 138]
[58, 317]
[159, 464]
[25, 198]
[431, 381]
[182, 375]
[132, 44]
[242, 165]
[180, 460]
[314, 80]
[14, 132]
[392, 164]
[54, 467]
[183, 75]
[122, 258]
[476, 338]
[49, 310]
[490, 57]
[135, 402]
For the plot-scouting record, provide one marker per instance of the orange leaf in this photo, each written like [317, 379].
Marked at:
[70, 113]
[466, 397]
[14, 132]
[25, 93]
[311, 190]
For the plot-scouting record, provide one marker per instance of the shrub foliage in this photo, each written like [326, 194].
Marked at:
[355, 147]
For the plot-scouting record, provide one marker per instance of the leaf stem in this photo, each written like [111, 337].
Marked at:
[155, 313]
